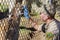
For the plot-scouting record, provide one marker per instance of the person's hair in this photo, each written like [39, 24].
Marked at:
[49, 14]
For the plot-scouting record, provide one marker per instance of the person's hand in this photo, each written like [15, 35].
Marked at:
[26, 12]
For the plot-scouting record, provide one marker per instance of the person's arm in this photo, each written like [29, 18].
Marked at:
[34, 24]
[26, 14]
[53, 32]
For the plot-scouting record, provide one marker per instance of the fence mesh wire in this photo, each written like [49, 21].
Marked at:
[7, 31]
[3, 28]
[22, 32]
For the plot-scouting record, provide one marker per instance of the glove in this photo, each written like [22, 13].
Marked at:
[26, 12]
[49, 36]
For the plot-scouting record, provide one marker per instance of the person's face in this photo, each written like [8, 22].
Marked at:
[43, 16]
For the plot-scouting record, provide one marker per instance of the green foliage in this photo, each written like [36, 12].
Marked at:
[3, 7]
[34, 13]
[24, 31]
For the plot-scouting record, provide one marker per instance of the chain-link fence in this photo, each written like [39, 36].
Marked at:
[3, 28]
[9, 29]
[16, 27]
